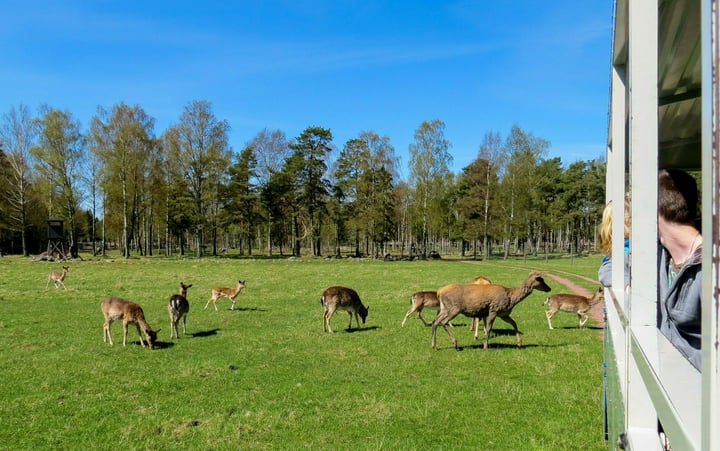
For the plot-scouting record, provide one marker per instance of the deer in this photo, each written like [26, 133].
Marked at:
[420, 300]
[428, 300]
[230, 293]
[178, 307]
[483, 301]
[574, 303]
[342, 298]
[58, 277]
[118, 309]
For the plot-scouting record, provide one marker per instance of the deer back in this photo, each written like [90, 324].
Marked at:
[481, 280]
[343, 298]
[179, 302]
[59, 275]
[227, 291]
[575, 302]
[121, 309]
[426, 299]
[471, 299]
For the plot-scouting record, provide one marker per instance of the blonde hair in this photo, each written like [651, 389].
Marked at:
[605, 231]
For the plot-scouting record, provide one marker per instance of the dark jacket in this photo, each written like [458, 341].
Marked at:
[679, 305]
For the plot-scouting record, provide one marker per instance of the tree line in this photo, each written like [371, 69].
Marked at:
[118, 184]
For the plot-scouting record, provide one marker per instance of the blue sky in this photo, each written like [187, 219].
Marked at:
[350, 66]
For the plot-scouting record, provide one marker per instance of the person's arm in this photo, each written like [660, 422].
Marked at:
[605, 272]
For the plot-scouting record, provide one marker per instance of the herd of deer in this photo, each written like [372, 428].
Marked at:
[118, 309]
[479, 299]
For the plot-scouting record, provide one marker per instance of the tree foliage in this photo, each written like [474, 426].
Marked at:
[59, 155]
[17, 136]
[188, 190]
[429, 175]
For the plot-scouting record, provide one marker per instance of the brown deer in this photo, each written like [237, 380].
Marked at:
[118, 309]
[420, 300]
[428, 300]
[573, 303]
[222, 292]
[475, 323]
[483, 301]
[58, 278]
[342, 298]
[178, 307]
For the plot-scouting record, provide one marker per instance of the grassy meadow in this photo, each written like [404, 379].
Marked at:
[265, 376]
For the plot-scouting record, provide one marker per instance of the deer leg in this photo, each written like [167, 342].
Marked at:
[488, 327]
[232, 307]
[512, 322]
[407, 315]
[445, 321]
[549, 314]
[142, 343]
[326, 320]
[356, 320]
[475, 323]
[583, 319]
[451, 334]
[125, 332]
[184, 324]
[208, 303]
[440, 316]
[106, 333]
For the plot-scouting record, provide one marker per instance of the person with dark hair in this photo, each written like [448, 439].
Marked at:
[680, 258]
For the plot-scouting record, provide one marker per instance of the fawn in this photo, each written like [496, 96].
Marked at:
[230, 293]
[58, 277]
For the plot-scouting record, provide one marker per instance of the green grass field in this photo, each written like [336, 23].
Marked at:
[265, 376]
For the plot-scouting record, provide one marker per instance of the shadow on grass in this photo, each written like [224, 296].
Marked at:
[576, 328]
[492, 346]
[362, 329]
[162, 344]
[205, 333]
[248, 309]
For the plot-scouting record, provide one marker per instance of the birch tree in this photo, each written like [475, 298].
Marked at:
[123, 141]
[201, 150]
[59, 156]
[17, 135]
[429, 172]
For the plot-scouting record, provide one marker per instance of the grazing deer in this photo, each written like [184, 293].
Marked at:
[574, 303]
[178, 307]
[117, 309]
[483, 301]
[341, 298]
[222, 292]
[58, 277]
